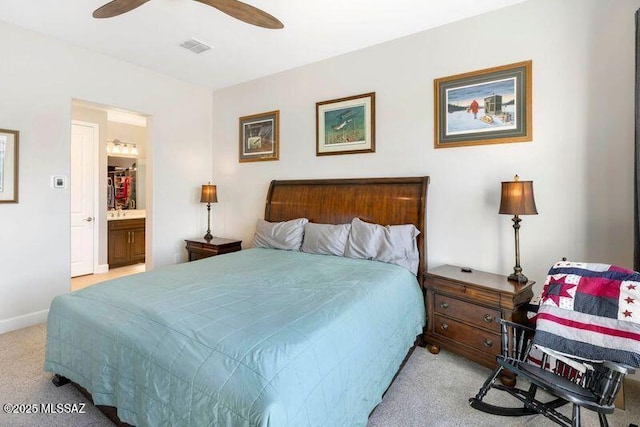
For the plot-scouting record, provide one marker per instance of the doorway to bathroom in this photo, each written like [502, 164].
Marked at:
[109, 192]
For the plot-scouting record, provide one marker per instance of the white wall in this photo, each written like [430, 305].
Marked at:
[39, 77]
[580, 159]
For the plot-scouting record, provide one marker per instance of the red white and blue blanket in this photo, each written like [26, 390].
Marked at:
[591, 311]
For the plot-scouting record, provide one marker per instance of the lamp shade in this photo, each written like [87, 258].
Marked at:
[517, 198]
[209, 194]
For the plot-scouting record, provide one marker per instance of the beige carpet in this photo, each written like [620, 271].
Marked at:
[22, 359]
[431, 390]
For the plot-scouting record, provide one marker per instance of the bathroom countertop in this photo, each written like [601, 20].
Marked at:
[126, 214]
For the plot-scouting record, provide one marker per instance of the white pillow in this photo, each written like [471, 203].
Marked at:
[285, 235]
[395, 244]
[325, 239]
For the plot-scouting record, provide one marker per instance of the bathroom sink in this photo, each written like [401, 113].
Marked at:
[126, 214]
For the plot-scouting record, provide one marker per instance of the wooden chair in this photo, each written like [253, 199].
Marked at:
[570, 377]
[593, 387]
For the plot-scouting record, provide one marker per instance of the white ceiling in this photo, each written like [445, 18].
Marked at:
[150, 35]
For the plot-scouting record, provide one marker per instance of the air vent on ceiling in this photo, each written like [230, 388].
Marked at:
[195, 46]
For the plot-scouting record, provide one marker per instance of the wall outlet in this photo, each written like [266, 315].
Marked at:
[177, 258]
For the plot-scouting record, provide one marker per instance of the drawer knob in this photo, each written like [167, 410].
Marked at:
[444, 326]
[488, 318]
[444, 304]
[488, 342]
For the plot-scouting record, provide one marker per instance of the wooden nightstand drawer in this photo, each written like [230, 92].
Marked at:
[478, 315]
[195, 254]
[483, 342]
[465, 290]
[195, 245]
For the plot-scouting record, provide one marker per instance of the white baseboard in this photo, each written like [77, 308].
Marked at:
[101, 268]
[8, 325]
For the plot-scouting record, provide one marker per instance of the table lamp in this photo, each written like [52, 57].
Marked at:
[517, 199]
[209, 195]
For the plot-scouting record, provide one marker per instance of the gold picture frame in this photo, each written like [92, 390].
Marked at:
[490, 106]
[9, 143]
[346, 125]
[259, 137]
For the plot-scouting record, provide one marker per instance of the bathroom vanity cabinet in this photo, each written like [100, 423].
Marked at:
[126, 242]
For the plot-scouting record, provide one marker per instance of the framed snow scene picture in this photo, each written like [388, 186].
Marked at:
[490, 106]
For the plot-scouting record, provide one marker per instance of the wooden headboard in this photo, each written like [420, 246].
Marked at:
[386, 201]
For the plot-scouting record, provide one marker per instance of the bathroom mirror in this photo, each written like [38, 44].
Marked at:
[125, 183]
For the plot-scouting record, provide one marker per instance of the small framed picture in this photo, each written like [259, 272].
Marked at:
[9, 165]
[259, 134]
[490, 106]
[346, 125]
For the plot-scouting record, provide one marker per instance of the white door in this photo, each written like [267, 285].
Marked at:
[82, 187]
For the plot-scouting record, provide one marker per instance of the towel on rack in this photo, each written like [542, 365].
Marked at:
[111, 195]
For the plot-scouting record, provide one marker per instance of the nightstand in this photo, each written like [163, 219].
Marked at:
[200, 248]
[462, 308]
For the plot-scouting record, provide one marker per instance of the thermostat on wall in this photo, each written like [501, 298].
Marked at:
[59, 181]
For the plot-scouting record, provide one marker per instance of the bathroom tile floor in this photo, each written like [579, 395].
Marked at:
[91, 279]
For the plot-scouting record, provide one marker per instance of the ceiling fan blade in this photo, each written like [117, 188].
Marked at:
[117, 7]
[244, 12]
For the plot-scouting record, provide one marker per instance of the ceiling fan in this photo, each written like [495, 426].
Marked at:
[237, 9]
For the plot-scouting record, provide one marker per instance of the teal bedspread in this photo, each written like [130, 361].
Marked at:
[259, 337]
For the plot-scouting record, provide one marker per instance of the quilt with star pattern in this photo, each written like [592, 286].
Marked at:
[591, 311]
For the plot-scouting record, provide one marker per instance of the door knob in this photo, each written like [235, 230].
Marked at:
[89, 219]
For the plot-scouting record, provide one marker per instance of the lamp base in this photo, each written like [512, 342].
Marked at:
[518, 277]
[208, 236]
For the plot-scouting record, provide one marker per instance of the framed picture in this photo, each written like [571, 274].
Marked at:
[489, 106]
[259, 136]
[9, 165]
[346, 125]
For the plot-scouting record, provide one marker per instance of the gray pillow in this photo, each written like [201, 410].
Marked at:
[395, 244]
[285, 235]
[325, 239]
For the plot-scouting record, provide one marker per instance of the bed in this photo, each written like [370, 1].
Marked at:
[260, 337]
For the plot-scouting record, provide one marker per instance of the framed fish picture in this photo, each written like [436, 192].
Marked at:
[346, 125]
[489, 106]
